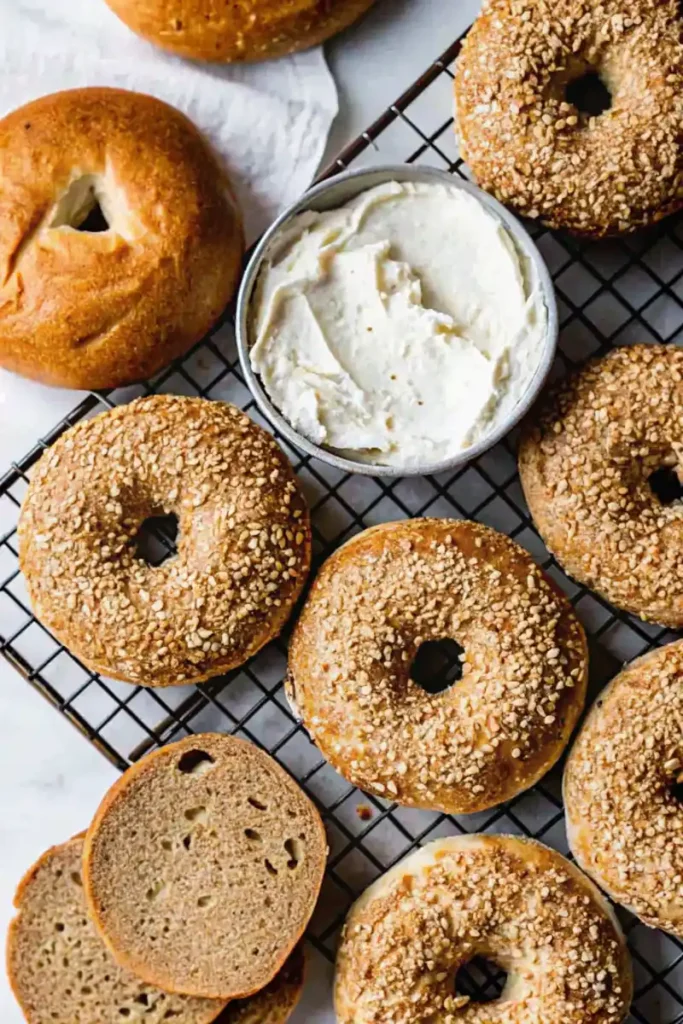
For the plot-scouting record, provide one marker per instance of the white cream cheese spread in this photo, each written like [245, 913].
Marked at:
[399, 329]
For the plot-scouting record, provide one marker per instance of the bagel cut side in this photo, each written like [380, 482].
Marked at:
[60, 970]
[202, 867]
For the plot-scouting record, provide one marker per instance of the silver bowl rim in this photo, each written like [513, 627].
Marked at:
[364, 179]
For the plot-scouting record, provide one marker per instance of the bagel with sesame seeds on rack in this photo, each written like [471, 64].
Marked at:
[383, 606]
[601, 464]
[120, 240]
[243, 30]
[623, 787]
[243, 548]
[571, 111]
[512, 900]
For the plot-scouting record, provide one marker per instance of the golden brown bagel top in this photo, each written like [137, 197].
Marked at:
[624, 817]
[95, 310]
[529, 144]
[243, 548]
[493, 733]
[586, 459]
[243, 30]
[513, 900]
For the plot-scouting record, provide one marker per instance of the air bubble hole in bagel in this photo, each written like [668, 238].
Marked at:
[437, 665]
[482, 980]
[666, 485]
[589, 94]
[156, 540]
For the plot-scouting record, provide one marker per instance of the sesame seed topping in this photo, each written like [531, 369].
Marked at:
[529, 144]
[497, 729]
[587, 463]
[625, 819]
[224, 594]
[405, 940]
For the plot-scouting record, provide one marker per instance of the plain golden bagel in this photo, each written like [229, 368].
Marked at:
[601, 462]
[374, 604]
[509, 899]
[530, 144]
[624, 818]
[96, 305]
[247, 30]
[60, 970]
[202, 867]
[243, 546]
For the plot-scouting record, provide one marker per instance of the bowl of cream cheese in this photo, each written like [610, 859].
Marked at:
[396, 321]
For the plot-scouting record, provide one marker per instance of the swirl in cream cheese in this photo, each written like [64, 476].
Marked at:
[399, 329]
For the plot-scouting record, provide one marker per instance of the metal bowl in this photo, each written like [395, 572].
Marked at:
[333, 193]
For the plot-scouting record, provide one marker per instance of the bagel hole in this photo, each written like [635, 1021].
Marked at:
[155, 541]
[666, 485]
[481, 979]
[437, 665]
[676, 790]
[80, 208]
[95, 221]
[589, 94]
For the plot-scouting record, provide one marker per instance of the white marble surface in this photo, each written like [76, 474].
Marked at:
[51, 779]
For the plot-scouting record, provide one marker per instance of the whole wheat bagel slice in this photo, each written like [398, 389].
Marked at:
[60, 970]
[276, 1002]
[202, 867]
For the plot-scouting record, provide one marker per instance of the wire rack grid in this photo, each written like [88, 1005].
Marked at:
[616, 292]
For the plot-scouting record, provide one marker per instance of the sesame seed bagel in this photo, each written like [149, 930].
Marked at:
[587, 459]
[243, 549]
[624, 817]
[202, 867]
[100, 306]
[512, 900]
[529, 144]
[242, 30]
[60, 970]
[524, 666]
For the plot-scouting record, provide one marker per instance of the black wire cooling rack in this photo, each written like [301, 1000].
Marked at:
[609, 293]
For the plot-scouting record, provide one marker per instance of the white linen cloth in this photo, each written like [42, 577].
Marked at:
[269, 122]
